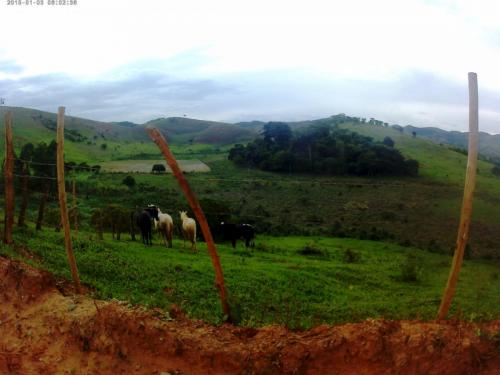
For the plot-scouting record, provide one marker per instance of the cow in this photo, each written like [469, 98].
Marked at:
[233, 232]
[143, 220]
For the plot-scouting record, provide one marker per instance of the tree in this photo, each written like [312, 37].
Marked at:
[277, 134]
[45, 169]
[129, 181]
[414, 134]
[25, 157]
[388, 142]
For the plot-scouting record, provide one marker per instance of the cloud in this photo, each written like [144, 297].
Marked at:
[9, 67]
[416, 97]
[138, 97]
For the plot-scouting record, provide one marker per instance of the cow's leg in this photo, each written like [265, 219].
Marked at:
[170, 230]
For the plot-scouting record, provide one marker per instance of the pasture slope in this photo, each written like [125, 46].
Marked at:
[303, 273]
[47, 330]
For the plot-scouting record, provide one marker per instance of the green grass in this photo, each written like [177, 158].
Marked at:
[275, 283]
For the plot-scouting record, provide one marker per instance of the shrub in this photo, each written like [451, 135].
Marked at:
[311, 249]
[411, 268]
[351, 256]
[129, 181]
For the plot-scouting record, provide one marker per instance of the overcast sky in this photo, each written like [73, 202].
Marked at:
[402, 61]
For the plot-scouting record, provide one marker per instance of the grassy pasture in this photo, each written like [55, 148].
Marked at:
[145, 166]
[297, 281]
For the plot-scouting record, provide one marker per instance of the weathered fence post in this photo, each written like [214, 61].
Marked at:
[160, 141]
[466, 213]
[61, 188]
[9, 180]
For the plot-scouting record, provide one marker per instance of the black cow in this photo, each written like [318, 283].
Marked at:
[233, 232]
[143, 221]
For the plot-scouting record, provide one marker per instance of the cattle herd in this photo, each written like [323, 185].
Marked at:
[152, 217]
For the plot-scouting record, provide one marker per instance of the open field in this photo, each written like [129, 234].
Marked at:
[145, 166]
[295, 281]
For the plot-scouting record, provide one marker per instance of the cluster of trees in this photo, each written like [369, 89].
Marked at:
[36, 168]
[322, 149]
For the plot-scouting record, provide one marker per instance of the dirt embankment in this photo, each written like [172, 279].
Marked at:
[44, 329]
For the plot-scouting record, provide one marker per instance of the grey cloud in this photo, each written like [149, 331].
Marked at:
[135, 98]
[417, 98]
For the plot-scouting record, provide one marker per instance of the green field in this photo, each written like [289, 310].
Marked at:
[145, 166]
[329, 249]
[296, 281]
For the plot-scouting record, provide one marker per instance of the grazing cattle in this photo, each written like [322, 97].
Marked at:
[188, 229]
[233, 232]
[143, 221]
[165, 226]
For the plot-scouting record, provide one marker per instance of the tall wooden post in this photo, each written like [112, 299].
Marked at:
[160, 141]
[62, 198]
[466, 213]
[9, 180]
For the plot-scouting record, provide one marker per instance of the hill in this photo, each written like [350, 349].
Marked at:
[189, 131]
[489, 144]
[96, 141]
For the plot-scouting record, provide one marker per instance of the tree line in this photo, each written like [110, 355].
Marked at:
[36, 168]
[322, 149]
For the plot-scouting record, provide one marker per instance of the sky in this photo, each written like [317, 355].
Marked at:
[402, 62]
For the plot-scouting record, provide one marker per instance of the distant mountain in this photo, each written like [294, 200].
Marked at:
[100, 141]
[186, 130]
[489, 144]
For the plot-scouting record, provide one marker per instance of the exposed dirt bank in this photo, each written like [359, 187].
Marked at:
[44, 329]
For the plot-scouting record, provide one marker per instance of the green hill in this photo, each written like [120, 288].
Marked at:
[489, 144]
[95, 141]
[186, 130]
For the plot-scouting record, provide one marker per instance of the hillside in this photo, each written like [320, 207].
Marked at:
[489, 144]
[186, 130]
[95, 141]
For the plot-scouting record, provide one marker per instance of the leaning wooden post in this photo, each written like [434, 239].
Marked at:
[62, 198]
[466, 213]
[160, 141]
[9, 180]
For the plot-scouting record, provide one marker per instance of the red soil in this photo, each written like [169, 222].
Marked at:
[44, 329]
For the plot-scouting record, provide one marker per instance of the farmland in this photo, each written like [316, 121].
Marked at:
[329, 249]
[296, 281]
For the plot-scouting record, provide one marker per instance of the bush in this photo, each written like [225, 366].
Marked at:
[411, 268]
[311, 249]
[129, 181]
[351, 256]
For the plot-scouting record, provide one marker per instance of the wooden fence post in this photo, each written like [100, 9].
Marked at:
[9, 180]
[466, 212]
[62, 198]
[160, 141]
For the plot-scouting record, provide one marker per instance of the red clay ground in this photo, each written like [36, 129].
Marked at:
[46, 331]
